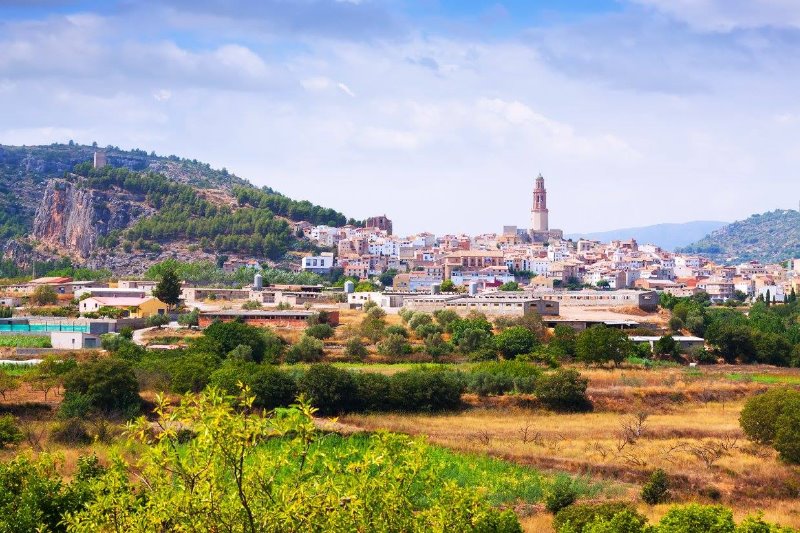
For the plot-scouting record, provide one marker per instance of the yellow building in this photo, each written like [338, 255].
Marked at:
[131, 307]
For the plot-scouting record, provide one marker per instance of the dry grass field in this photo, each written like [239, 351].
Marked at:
[681, 420]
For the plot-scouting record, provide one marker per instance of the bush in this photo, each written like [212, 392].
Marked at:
[759, 417]
[374, 391]
[601, 344]
[320, 331]
[787, 432]
[109, 385]
[445, 316]
[271, 387]
[563, 390]
[190, 319]
[486, 384]
[515, 341]
[156, 321]
[228, 335]
[562, 493]
[306, 350]
[504, 376]
[426, 390]
[575, 518]
[436, 346]
[394, 345]
[71, 431]
[354, 349]
[396, 330]
[625, 522]
[694, 517]
[656, 490]
[9, 432]
[329, 389]
[192, 372]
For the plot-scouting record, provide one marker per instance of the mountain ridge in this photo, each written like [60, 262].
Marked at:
[139, 209]
[769, 237]
[668, 235]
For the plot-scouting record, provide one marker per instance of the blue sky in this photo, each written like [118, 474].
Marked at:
[438, 113]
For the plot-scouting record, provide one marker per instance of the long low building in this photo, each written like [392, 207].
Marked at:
[644, 300]
[265, 318]
[496, 306]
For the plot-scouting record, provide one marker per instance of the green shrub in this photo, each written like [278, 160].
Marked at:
[625, 522]
[394, 345]
[426, 389]
[694, 517]
[515, 341]
[354, 349]
[396, 330]
[486, 384]
[760, 414]
[271, 387]
[561, 494]
[320, 331]
[787, 432]
[445, 316]
[156, 321]
[756, 524]
[656, 490]
[575, 518]
[192, 372]
[110, 386]
[9, 432]
[436, 346]
[329, 389]
[374, 391]
[226, 336]
[34, 497]
[563, 390]
[306, 350]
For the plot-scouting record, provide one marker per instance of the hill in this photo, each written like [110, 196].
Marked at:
[667, 236]
[769, 237]
[139, 209]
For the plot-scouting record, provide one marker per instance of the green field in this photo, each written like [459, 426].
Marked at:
[767, 379]
[24, 341]
[15, 369]
[500, 482]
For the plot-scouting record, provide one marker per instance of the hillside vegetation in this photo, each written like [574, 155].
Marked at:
[769, 237]
[139, 205]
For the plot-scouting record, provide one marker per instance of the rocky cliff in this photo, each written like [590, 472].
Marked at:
[72, 218]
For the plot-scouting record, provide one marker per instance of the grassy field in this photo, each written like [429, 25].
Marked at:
[682, 420]
[16, 369]
[24, 341]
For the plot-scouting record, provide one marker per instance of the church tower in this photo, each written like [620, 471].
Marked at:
[539, 212]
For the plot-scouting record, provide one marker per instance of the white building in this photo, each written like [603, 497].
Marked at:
[319, 264]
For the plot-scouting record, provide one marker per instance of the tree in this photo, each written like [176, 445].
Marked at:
[394, 345]
[44, 295]
[387, 278]
[320, 331]
[329, 389]
[168, 289]
[8, 383]
[787, 432]
[228, 335]
[448, 286]
[759, 417]
[564, 340]
[656, 490]
[9, 432]
[157, 321]
[601, 344]
[108, 386]
[355, 349]
[509, 286]
[603, 284]
[373, 325]
[667, 346]
[306, 350]
[694, 517]
[515, 341]
[563, 390]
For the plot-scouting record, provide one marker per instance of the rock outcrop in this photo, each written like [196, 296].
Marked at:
[72, 218]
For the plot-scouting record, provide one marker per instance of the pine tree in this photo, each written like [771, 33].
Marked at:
[768, 298]
[168, 290]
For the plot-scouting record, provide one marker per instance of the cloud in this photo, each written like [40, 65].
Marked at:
[345, 89]
[728, 15]
[162, 95]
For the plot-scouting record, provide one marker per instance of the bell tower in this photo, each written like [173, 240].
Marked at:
[539, 212]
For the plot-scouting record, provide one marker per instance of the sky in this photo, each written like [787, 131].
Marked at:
[437, 113]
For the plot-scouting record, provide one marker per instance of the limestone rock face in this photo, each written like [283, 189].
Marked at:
[73, 218]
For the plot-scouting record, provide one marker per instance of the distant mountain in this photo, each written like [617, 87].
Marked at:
[667, 236]
[769, 237]
[139, 209]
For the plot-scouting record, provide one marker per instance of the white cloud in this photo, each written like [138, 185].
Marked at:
[162, 95]
[345, 89]
[727, 15]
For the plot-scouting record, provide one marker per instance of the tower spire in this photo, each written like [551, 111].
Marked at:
[539, 212]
